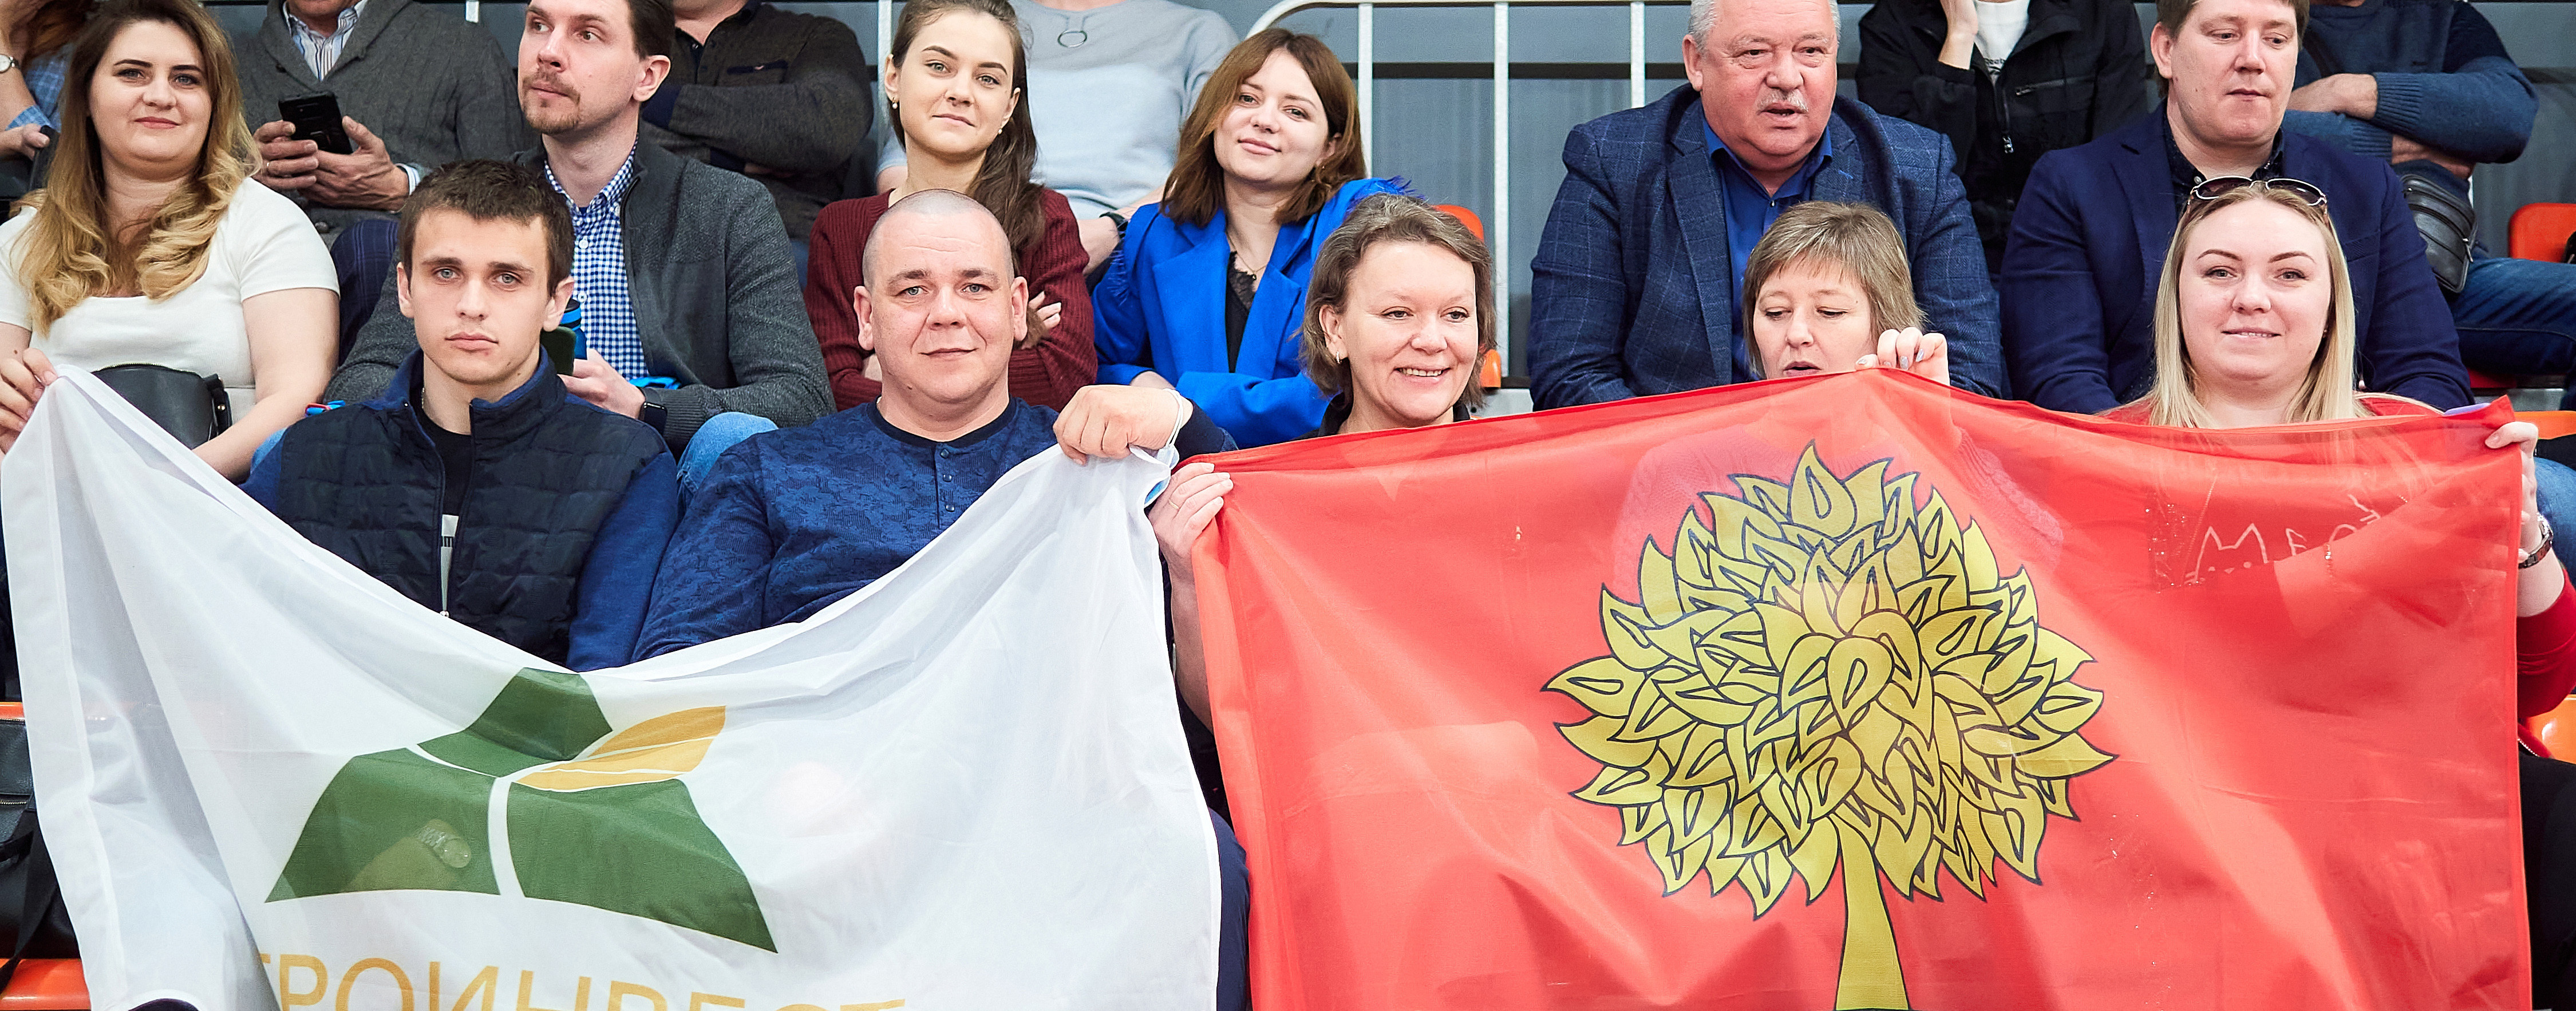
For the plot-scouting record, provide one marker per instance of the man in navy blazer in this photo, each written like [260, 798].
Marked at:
[1635, 281]
[2087, 248]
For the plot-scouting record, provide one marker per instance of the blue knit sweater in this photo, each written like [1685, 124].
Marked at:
[2444, 79]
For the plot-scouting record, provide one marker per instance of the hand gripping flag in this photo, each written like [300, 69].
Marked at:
[1863, 692]
[268, 779]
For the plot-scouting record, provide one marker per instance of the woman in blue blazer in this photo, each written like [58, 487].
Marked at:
[1208, 290]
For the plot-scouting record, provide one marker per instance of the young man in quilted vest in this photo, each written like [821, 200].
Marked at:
[475, 484]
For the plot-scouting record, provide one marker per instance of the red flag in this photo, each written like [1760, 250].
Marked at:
[1608, 707]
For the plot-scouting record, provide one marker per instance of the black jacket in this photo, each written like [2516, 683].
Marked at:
[367, 483]
[2079, 71]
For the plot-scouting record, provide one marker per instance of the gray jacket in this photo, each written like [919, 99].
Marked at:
[432, 85]
[715, 295]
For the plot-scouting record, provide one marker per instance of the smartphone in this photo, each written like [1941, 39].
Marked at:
[564, 346]
[317, 118]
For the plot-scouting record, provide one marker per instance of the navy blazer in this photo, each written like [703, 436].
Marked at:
[1161, 306]
[1633, 288]
[2087, 251]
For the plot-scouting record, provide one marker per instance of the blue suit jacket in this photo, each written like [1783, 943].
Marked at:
[2087, 251]
[1633, 287]
[1161, 305]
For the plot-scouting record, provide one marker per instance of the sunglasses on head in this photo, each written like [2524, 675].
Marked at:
[2305, 192]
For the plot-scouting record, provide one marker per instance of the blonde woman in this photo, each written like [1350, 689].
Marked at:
[2254, 326]
[1827, 290]
[150, 244]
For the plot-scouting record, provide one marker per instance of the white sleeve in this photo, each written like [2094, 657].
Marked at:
[274, 245]
[13, 295]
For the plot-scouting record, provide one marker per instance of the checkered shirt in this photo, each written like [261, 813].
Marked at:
[599, 273]
[45, 81]
[322, 52]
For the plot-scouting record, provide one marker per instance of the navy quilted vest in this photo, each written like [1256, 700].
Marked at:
[366, 483]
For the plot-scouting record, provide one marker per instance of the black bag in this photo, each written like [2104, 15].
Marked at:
[33, 922]
[192, 407]
[2449, 225]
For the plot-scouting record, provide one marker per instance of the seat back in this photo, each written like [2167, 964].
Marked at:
[1475, 225]
[2540, 231]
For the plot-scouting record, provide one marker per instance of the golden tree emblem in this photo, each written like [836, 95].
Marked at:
[1829, 675]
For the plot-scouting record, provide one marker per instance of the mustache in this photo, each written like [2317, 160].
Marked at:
[1793, 99]
[551, 82]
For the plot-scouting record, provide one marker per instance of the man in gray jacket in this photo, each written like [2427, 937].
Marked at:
[418, 87]
[689, 300]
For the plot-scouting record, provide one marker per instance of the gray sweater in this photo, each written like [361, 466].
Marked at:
[715, 295]
[433, 86]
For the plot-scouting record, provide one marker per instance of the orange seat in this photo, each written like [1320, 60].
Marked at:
[2539, 231]
[2552, 424]
[46, 984]
[1489, 372]
[1465, 217]
[2556, 730]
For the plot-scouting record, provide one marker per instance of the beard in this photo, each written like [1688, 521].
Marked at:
[562, 116]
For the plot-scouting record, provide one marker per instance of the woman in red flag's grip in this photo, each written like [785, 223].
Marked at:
[1822, 281]
[956, 88]
[1398, 314]
[2255, 326]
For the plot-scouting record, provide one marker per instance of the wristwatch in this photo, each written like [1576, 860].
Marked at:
[653, 414]
[7, 63]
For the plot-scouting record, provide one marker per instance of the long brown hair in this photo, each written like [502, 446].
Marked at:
[55, 24]
[70, 252]
[1196, 190]
[2325, 394]
[1002, 185]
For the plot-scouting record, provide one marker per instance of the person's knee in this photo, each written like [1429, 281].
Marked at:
[2557, 492]
[721, 433]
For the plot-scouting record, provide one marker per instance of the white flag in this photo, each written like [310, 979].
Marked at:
[268, 778]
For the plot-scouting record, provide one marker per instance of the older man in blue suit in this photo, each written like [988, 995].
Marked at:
[1637, 276]
[2088, 240]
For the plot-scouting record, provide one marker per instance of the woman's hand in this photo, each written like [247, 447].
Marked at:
[24, 374]
[1924, 354]
[1188, 504]
[1043, 317]
[2538, 585]
[23, 142]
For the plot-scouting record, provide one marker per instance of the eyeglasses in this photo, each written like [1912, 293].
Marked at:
[2306, 192]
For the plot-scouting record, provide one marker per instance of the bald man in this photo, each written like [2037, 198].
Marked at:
[792, 520]
[789, 521]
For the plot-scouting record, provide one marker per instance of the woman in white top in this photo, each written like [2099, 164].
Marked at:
[150, 244]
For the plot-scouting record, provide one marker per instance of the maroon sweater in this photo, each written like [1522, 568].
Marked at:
[1062, 362]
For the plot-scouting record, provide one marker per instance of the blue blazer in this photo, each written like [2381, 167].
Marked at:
[1633, 287]
[2087, 251]
[1160, 305]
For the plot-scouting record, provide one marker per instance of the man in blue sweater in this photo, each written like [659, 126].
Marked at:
[475, 484]
[791, 520]
[2426, 86]
[2088, 239]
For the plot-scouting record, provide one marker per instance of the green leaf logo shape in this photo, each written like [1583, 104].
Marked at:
[588, 818]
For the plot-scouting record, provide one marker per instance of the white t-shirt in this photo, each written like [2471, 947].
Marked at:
[263, 244]
[1999, 28]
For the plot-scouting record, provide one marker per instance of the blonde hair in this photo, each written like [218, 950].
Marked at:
[1383, 218]
[2326, 394]
[1855, 237]
[69, 253]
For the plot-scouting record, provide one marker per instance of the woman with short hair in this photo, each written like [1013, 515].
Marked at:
[1827, 290]
[150, 244]
[1208, 288]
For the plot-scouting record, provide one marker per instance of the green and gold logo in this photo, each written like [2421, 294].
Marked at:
[1827, 675]
[536, 798]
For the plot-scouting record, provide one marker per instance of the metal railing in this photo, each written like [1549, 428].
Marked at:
[1498, 225]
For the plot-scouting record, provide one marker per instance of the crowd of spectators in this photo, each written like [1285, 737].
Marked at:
[577, 402]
